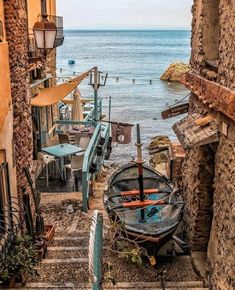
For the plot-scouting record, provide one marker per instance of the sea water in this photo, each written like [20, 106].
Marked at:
[126, 56]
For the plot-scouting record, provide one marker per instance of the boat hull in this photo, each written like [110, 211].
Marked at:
[161, 220]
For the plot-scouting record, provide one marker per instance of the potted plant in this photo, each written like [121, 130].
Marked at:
[22, 260]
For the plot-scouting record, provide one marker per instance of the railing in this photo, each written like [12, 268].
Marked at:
[9, 215]
[95, 251]
[88, 158]
[5, 214]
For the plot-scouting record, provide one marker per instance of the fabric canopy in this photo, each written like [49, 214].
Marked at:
[51, 96]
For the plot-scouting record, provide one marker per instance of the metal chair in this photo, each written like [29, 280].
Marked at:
[63, 138]
[47, 159]
[74, 166]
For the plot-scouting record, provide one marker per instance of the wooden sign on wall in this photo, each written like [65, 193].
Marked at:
[175, 111]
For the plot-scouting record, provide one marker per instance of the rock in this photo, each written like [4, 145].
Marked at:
[175, 71]
[159, 141]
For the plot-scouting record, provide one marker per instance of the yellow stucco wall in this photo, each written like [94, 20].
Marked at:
[5, 89]
[6, 115]
[34, 9]
[2, 20]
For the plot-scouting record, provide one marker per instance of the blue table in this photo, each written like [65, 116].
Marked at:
[61, 151]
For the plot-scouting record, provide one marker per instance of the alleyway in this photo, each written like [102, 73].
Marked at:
[66, 264]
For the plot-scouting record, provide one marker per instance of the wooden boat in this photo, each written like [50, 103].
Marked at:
[151, 216]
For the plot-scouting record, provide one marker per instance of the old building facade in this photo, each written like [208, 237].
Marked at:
[23, 70]
[209, 170]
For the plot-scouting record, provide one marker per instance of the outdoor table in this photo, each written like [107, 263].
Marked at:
[62, 150]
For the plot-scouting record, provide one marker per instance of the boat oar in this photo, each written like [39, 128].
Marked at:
[145, 203]
[136, 192]
[146, 192]
[140, 171]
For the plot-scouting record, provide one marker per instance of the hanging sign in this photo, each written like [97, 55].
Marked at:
[121, 132]
[175, 111]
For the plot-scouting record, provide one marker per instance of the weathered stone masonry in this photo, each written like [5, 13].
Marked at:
[17, 37]
[209, 171]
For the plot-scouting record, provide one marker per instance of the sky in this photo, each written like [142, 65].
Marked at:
[125, 14]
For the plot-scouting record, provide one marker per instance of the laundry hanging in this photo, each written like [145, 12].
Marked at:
[121, 132]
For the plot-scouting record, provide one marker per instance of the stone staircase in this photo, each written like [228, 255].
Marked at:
[66, 264]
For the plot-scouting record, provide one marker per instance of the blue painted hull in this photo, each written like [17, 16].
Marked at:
[160, 221]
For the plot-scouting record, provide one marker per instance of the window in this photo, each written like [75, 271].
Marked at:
[211, 29]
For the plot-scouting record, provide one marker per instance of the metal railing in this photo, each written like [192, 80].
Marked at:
[10, 222]
[88, 158]
[95, 251]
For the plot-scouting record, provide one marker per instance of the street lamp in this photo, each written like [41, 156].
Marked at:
[45, 34]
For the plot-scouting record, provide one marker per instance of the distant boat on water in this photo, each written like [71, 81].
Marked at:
[71, 61]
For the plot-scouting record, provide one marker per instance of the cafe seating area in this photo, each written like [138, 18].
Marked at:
[63, 157]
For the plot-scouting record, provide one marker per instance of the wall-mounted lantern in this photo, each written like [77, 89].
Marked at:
[45, 32]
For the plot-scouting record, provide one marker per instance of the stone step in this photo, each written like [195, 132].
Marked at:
[67, 252]
[67, 241]
[61, 271]
[67, 286]
[155, 285]
[90, 288]
[154, 288]
[65, 261]
[72, 233]
[192, 285]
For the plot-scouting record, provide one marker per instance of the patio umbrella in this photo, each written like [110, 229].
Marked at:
[77, 112]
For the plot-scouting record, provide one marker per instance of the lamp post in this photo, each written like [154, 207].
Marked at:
[45, 32]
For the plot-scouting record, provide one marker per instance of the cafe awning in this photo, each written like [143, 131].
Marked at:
[196, 130]
[51, 96]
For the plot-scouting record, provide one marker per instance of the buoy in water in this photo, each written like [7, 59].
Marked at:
[71, 61]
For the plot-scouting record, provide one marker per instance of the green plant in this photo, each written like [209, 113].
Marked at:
[5, 276]
[21, 260]
[126, 248]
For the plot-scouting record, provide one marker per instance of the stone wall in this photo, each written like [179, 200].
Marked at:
[208, 175]
[198, 175]
[17, 37]
[221, 254]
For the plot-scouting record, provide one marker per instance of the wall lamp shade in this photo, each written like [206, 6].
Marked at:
[45, 34]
